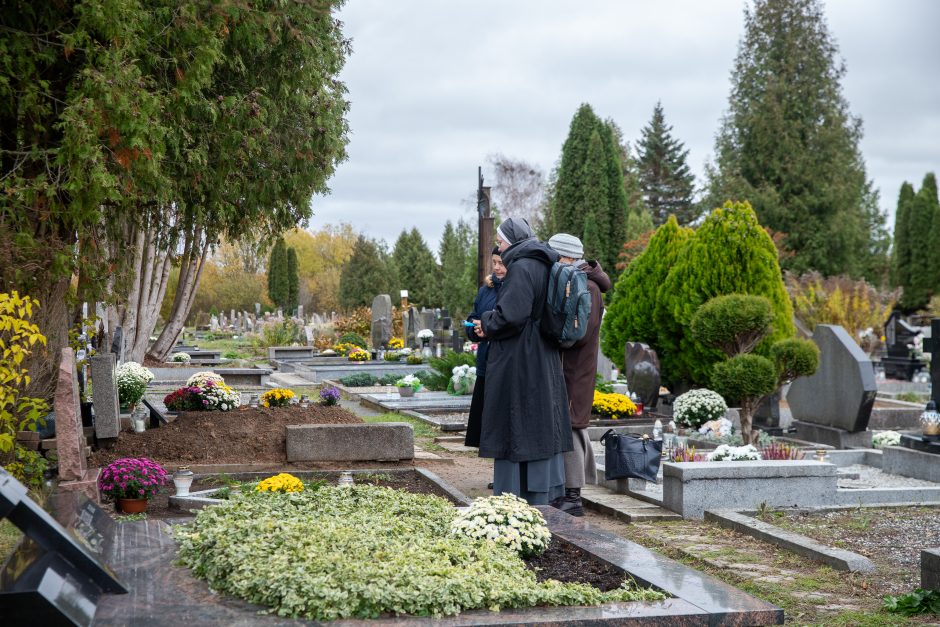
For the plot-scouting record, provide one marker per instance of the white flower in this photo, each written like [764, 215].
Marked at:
[425, 334]
[729, 453]
[506, 520]
[180, 358]
[697, 407]
[885, 438]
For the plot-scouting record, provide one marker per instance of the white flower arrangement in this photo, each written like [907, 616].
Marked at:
[181, 358]
[885, 438]
[409, 381]
[132, 380]
[727, 453]
[200, 379]
[404, 352]
[506, 520]
[425, 334]
[696, 407]
[462, 379]
[220, 397]
[716, 428]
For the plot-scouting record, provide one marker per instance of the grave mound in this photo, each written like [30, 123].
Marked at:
[255, 434]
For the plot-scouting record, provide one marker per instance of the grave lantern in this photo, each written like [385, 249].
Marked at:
[930, 421]
[182, 479]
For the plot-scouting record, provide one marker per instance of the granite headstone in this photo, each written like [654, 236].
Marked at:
[842, 392]
[70, 439]
[381, 320]
[105, 395]
[642, 372]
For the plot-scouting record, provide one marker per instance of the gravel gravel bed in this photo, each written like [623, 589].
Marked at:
[871, 477]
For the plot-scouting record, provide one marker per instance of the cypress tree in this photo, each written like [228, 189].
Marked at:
[577, 191]
[666, 182]
[418, 271]
[458, 287]
[790, 146]
[901, 257]
[594, 228]
[278, 290]
[922, 220]
[293, 281]
[929, 192]
[629, 316]
[366, 274]
[730, 254]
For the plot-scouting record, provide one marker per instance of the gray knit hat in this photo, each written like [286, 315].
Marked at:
[566, 245]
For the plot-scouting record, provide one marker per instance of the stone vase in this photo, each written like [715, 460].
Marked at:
[406, 392]
[132, 506]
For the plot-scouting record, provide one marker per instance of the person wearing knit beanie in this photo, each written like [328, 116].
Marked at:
[567, 246]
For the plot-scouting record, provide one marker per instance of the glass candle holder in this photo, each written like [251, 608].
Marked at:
[345, 479]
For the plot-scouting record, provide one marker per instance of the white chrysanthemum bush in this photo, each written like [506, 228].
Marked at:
[696, 407]
[462, 380]
[505, 519]
[181, 358]
[132, 380]
[728, 453]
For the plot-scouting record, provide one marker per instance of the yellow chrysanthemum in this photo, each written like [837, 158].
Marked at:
[283, 482]
[613, 405]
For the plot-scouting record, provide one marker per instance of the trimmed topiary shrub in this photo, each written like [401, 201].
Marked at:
[794, 358]
[746, 379]
[729, 254]
[734, 324]
[629, 317]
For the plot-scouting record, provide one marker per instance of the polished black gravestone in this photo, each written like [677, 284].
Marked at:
[56, 575]
[900, 361]
[923, 443]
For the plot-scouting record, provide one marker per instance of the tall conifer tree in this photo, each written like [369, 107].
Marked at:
[921, 281]
[666, 182]
[790, 146]
[457, 290]
[588, 186]
[293, 281]
[278, 290]
[366, 274]
[901, 255]
[418, 271]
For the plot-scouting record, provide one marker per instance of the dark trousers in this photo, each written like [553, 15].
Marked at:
[475, 420]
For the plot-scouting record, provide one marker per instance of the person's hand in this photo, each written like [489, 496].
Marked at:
[478, 328]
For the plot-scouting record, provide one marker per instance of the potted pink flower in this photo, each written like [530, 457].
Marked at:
[131, 482]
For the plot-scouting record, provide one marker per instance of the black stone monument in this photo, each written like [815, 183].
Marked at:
[55, 576]
[900, 362]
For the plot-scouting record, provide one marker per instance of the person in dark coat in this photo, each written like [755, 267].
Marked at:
[485, 301]
[579, 364]
[525, 429]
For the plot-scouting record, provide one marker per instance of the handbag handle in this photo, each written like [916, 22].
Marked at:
[610, 434]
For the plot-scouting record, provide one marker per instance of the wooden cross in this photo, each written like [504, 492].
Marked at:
[932, 346]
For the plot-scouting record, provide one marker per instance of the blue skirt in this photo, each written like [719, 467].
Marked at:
[538, 482]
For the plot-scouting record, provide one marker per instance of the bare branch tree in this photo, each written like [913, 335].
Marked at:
[518, 188]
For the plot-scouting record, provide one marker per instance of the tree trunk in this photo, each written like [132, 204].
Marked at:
[193, 260]
[747, 426]
[52, 317]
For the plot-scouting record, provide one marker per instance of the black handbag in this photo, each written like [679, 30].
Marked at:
[629, 456]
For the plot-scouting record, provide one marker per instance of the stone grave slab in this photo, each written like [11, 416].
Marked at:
[290, 353]
[930, 569]
[352, 442]
[841, 394]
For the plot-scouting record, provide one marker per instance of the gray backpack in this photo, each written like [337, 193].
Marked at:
[567, 305]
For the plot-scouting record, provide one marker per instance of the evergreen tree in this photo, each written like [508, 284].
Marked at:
[366, 274]
[901, 256]
[666, 182]
[730, 254]
[595, 227]
[457, 292]
[922, 220]
[590, 155]
[418, 271]
[928, 191]
[293, 281]
[629, 317]
[278, 289]
[790, 146]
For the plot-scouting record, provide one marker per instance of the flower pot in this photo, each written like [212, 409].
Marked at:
[406, 392]
[132, 506]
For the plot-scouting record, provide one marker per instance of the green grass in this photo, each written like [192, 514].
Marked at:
[9, 536]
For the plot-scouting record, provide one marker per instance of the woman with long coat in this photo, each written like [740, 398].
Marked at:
[526, 428]
[485, 301]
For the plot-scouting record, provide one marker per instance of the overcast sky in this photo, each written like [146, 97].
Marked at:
[436, 86]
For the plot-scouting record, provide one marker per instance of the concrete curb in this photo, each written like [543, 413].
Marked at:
[807, 547]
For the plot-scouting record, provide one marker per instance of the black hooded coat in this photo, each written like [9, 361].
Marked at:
[525, 409]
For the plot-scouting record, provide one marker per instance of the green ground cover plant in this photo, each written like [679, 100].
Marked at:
[362, 551]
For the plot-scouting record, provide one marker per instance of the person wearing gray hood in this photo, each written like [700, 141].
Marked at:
[525, 427]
